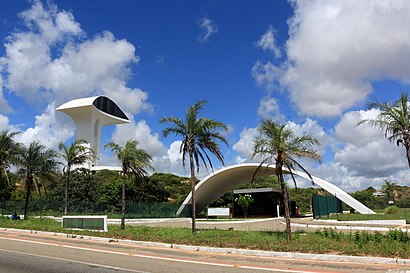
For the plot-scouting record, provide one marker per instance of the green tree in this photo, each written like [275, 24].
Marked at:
[244, 201]
[134, 161]
[177, 188]
[198, 134]
[8, 149]
[35, 162]
[278, 144]
[394, 120]
[75, 154]
[109, 196]
[389, 188]
[82, 196]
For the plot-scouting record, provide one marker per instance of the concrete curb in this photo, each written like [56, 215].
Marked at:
[249, 252]
[349, 228]
[368, 222]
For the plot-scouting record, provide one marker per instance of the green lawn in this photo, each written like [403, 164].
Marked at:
[402, 213]
[394, 244]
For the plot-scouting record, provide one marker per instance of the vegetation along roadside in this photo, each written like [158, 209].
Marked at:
[394, 244]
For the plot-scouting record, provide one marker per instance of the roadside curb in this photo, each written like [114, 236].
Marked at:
[249, 252]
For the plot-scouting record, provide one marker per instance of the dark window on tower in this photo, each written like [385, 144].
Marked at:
[108, 106]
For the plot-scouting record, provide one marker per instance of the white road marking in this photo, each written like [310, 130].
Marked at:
[74, 261]
[158, 257]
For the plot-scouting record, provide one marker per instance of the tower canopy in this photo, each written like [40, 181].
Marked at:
[90, 115]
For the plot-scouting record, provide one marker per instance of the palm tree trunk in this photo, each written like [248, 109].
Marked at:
[193, 211]
[124, 181]
[28, 190]
[67, 181]
[279, 174]
[7, 177]
[408, 154]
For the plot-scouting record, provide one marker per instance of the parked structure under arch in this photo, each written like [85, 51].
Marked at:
[209, 189]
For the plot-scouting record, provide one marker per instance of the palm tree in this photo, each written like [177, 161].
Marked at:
[279, 145]
[8, 148]
[394, 120]
[134, 161]
[35, 162]
[389, 188]
[198, 135]
[75, 154]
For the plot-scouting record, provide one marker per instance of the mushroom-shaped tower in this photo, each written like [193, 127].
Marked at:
[90, 115]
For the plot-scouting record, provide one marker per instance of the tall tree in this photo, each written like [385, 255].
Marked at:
[389, 188]
[35, 162]
[278, 144]
[77, 153]
[134, 161]
[8, 149]
[394, 120]
[198, 134]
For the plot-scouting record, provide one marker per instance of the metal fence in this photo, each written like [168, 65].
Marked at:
[133, 209]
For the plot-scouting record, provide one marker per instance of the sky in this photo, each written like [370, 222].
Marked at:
[313, 65]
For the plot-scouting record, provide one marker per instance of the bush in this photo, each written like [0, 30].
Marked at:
[391, 210]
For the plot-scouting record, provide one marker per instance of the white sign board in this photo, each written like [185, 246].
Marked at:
[218, 212]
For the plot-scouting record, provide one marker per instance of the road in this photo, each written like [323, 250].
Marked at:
[25, 252]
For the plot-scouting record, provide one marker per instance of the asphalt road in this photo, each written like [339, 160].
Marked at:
[32, 253]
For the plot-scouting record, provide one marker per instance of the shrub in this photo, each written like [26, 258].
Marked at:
[391, 210]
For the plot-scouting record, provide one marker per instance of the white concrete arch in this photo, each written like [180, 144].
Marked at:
[224, 180]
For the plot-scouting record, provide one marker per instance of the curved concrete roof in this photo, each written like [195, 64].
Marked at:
[90, 115]
[111, 114]
[209, 189]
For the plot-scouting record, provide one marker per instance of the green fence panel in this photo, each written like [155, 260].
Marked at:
[325, 205]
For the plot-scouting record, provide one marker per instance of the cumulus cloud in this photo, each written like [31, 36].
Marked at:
[141, 132]
[53, 61]
[49, 129]
[336, 49]
[4, 107]
[266, 75]
[208, 29]
[245, 144]
[165, 159]
[362, 156]
[5, 124]
[269, 107]
[366, 152]
[268, 43]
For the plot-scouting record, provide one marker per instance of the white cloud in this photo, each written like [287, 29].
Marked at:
[4, 107]
[268, 43]
[49, 129]
[165, 159]
[51, 23]
[5, 124]
[347, 130]
[245, 144]
[269, 107]
[350, 181]
[266, 75]
[208, 29]
[336, 49]
[141, 132]
[366, 152]
[173, 152]
[52, 61]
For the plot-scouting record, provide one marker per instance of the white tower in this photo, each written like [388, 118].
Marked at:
[90, 115]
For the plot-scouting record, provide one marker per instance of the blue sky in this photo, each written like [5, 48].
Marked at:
[311, 64]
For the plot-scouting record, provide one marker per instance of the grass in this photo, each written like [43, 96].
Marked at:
[394, 244]
[403, 213]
